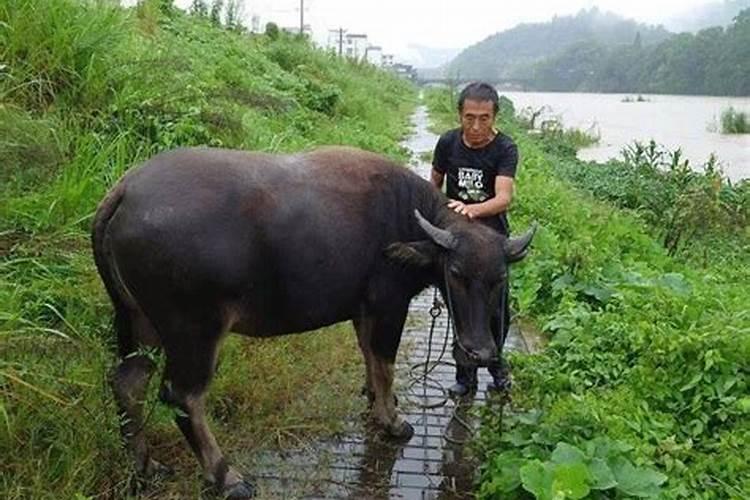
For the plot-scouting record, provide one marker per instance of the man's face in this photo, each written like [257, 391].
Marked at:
[477, 121]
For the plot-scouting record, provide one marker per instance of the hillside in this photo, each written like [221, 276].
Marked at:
[87, 91]
[714, 61]
[510, 53]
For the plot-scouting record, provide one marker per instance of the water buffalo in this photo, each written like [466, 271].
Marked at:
[199, 242]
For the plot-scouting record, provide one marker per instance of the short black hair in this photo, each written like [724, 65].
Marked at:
[479, 91]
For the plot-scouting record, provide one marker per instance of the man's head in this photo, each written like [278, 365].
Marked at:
[478, 105]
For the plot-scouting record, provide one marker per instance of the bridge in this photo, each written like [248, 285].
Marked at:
[514, 83]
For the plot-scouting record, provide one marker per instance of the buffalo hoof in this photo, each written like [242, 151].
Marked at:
[371, 396]
[155, 470]
[240, 490]
[400, 431]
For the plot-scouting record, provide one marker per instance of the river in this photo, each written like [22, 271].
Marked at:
[675, 121]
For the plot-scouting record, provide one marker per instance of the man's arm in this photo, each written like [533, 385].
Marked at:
[437, 178]
[495, 205]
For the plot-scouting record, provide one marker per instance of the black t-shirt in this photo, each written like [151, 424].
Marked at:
[470, 173]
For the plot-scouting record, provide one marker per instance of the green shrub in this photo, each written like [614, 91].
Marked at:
[734, 122]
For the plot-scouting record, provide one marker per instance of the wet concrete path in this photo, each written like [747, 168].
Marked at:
[434, 464]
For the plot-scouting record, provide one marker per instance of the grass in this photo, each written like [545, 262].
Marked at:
[89, 90]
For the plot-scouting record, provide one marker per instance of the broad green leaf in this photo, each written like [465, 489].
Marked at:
[565, 453]
[531, 417]
[637, 481]
[571, 480]
[605, 448]
[506, 477]
[600, 293]
[602, 477]
[537, 479]
[517, 437]
[563, 281]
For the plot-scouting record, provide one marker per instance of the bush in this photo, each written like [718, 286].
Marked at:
[734, 122]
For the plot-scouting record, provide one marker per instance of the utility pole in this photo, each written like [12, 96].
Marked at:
[341, 41]
[302, 17]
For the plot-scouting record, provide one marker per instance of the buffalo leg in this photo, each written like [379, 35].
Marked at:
[191, 362]
[363, 326]
[379, 337]
[130, 381]
[384, 406]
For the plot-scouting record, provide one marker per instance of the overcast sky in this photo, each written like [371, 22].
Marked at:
[395, 24]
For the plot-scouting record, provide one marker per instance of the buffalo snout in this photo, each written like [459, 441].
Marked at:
[475, 355]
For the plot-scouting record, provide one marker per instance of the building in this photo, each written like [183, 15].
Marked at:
[335, 41]
[374, 55]
[355, 46]
[255, 26]
[387, 60]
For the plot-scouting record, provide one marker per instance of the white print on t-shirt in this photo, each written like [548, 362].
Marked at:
[470, 178]
[471, 185]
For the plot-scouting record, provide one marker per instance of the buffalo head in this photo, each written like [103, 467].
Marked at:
[469, 263]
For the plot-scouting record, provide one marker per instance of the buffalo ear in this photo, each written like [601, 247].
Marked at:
[517, 248]
[414, 254]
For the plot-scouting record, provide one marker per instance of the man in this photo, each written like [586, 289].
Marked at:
[480, 163]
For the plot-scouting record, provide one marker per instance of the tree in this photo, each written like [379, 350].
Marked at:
[199, 8]
[234, 14]
[638, 43]
[272, 31]
[216, 9]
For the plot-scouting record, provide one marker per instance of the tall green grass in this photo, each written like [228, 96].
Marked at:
[87, 91]
[61, 49]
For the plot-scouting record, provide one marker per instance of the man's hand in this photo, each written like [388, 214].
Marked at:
[470, 211]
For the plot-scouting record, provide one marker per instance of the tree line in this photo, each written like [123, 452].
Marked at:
[713, 61]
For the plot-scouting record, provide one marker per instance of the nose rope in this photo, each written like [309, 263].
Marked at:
[429, 381]
[451, 315]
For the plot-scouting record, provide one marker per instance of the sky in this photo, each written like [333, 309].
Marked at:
[398, 24]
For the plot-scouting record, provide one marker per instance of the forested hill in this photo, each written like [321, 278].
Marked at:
[595, 51]
[713, 61]
[513, 52]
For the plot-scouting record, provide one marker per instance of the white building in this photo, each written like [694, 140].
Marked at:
[335, 40]
[355, 45]
[374, 55]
